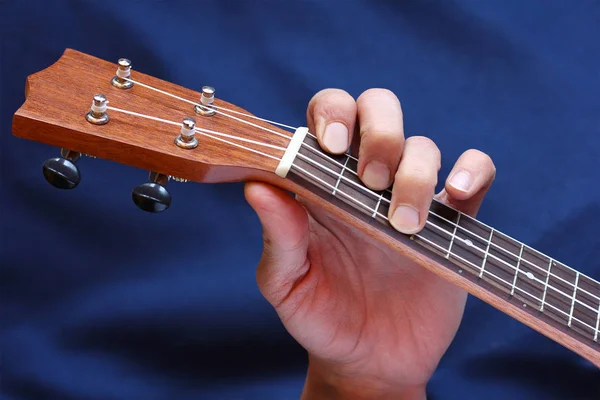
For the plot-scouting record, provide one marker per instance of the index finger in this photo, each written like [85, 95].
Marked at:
[331, 115]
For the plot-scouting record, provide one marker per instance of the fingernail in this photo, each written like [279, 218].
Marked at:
[376, 175]
[461, 180]
[405, 219]
[335, 137]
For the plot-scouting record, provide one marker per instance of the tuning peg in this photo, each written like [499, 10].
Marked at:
[152, 196]
[61, 172]
[206, 102]
[121, 79]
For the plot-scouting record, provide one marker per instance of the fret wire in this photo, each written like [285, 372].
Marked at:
[337, 183]
[487, 251]
[341, 192]
[514, 284]
[500, 279]
[381, 197]
[354, 172]
[541, 254]
[478, 267]
[597, 324]
[451, 223]
[453, 236]
[317, 151]
[439, 216]
[546, 284]
[508, 252]
[363, 188]
[434, 225]
[574, 298]
[510, 266]
[386, 199]
[573, 303]
[429, 222]
[568, 296]
[326, 156]
[375, 212]
[436, 245]
[331, 186]
[457, 226]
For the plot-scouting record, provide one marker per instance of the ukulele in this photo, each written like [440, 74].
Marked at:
[88, 106]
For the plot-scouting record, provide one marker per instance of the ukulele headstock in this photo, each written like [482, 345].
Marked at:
[85, 105]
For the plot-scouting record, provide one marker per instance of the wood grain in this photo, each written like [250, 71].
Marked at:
[59, 97]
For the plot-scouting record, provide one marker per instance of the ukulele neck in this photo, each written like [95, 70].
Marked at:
[536, 289]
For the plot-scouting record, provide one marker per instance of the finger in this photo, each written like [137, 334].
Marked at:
[331, 114]
[414, 185]
[469, 181]
[381, 137]
[285, 235]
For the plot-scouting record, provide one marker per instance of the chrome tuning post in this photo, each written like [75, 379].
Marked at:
[187, 139]
[152, 196]
[121, 79]
[207, 99]
[97, 114]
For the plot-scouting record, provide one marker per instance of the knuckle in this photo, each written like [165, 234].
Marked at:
[417, 176]
[324, 93]
[380, 113]
[328, 96]
[370, 94]
[482, 159]
[477, 154]
[333, 104]
[331, 92]
[380, 134]
[425, 144]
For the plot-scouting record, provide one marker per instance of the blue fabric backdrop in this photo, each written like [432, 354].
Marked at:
[102, 301]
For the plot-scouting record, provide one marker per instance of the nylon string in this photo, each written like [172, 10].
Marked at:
[455, 255]
[321, 154]
[217, 108]
[361, 187]
[215, 135]
[206, 133]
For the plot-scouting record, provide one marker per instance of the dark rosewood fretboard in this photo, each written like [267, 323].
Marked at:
[506, 268]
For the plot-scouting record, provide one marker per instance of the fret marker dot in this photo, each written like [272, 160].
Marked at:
[524, 305]
[468, 242]
[529, 275]
[460, 271]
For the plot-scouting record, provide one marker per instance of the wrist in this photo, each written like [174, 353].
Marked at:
[325, 382]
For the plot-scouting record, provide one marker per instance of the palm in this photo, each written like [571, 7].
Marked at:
[363, 305]
[374, 323]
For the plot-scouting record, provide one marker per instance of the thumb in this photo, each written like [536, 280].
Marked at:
[285, 234]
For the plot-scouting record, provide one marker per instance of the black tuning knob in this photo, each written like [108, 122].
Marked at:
[152, 196]
[61, 172]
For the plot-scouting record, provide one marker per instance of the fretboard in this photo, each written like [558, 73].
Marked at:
[548, 290]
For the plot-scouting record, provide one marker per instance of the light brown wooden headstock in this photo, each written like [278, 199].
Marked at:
[58, 98]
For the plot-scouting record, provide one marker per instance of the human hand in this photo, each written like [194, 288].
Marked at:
[374, 323]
